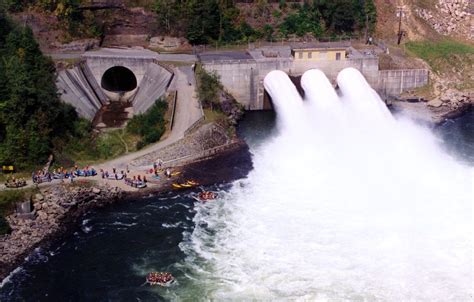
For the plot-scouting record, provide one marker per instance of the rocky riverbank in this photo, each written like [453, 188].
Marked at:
[436, 111]
[59, 206]
[53, 208]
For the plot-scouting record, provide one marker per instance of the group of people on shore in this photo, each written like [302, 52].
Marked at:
[13, 182]
[114, 175]
[134, 181]
[41, 176]
[158, 168]
[61, 173]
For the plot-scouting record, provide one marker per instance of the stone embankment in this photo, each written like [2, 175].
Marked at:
[53, 208]
[205, 137]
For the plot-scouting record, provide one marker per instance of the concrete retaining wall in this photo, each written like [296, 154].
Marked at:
[394, 82]
[237, 78]
[153, 85]
[77, 89]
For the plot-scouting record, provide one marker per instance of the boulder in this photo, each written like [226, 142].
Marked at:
[96, 190]
[39, 197]
[42, 215]
[435, 103]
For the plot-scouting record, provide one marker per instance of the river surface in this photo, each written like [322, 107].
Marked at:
[108, 254]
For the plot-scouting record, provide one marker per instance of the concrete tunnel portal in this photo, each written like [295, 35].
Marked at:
[118, 79]
[109, 86]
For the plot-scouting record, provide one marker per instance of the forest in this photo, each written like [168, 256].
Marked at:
[207, 21]
[32, 118]
[210, 21]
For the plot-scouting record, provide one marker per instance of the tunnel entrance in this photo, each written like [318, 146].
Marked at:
[118, 79]
[267, 101]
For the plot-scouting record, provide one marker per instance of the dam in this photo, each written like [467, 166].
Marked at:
[140, 76]
[243, 73]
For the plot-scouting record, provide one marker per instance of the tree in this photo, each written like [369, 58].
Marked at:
[203, 22]
[306, 20]
[268, 32]
[371, 12]
[166, 10]
[31, 114]
[209, 87]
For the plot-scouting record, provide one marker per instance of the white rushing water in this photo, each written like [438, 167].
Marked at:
[345, 203]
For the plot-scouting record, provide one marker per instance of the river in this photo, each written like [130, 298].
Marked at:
[108, 254]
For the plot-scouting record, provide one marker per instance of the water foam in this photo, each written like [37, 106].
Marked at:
[360, 207]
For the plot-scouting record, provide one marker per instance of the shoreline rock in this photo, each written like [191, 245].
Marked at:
[434, 112]
[53, 210]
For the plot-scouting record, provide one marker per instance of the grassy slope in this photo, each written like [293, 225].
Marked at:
[436, 53]
[449, 58]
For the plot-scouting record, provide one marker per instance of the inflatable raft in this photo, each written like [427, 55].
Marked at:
[160, 278]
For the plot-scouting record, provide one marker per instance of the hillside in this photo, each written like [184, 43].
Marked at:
[437, 33]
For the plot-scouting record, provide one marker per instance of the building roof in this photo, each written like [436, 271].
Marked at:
[321, 46]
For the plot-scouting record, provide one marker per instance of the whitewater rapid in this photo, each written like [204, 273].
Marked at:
[345, 203]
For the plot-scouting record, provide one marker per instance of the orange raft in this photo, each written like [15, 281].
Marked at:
[206, 196]
[159, 278]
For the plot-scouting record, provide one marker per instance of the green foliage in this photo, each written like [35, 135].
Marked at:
[268, 32]
[209, 87]
[371, 13]
[276, 14]
[167, 12]
[282, 4]
[31, 114]
[328, 17]
[219, 21]
[76, 21]
[204, 22]
[306, 20]
[149, 125]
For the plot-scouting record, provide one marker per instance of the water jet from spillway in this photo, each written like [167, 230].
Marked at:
[364, 207]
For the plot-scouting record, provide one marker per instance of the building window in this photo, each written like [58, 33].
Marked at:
[300, 55]
[310, 55]
[338, 56]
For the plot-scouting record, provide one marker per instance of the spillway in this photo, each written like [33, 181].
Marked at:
[356, 207]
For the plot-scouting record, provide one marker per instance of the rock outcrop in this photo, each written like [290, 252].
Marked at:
[449, 17]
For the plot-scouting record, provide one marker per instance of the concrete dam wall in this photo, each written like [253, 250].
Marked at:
[244, 78]
[112, 75]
